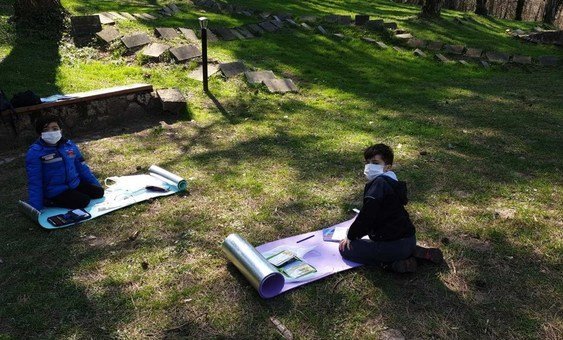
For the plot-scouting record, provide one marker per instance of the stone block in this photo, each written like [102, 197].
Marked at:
[361, 19]
[419, 53]
[454, 49]
[85, 25]
[496, 57]
[135, 40]
[172, 100]
[197, 73]
[258, 77]
[185, 52]
[305, 26]
[464, 63]
[484, 64]
[166, 32]
[374, 25]
[108, 34]
[322, 30]
[369, 40]
[189, 34]
[155, 50]
[473, 52]
[224, 33]
[548, 60]
[441, 58]
[390, 25]
[237, 34]
[232, 69]
[416, 43]
[268, 26]
[435, 45]
[106, 19]
[245, 33]
[381, 45]
[404, 36]
[522, 59]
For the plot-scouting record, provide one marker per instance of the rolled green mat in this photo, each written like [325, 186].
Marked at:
[181, 183]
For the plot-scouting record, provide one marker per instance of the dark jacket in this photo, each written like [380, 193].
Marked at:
[53, 169]
[383, 216]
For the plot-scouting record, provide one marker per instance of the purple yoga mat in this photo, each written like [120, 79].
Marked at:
[325, 257]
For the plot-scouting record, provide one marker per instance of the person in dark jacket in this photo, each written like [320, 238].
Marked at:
[56, 171]
[384, 219]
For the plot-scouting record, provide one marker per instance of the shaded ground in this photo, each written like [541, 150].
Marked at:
[269, 166]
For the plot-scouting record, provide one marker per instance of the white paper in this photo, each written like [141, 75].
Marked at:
[340, 233]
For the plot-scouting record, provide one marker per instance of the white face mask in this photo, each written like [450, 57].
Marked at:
[373, 170]
[51, 137]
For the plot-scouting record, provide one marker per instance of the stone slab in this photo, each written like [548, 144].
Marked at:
[369, 40]
[136, 40]
[419, 53]
[174, 8]
[339, 19]
[232, 69]
[185, 52]
[224, 33]
[258, 77]
[211, 36]
[129, 16]
[404, 36]
[309, 18]
[255, 29]
[374, 25]
[398, 49]
[197, 73]
[496, 57]
[381, 45]
[441, 58]
[245, 33]
[292, 23]
[148, 16]
[264, 15]
[117, 16]
[361, 19]
[237, 34]
[138, 16]
[522, 59]
[339, 35]
[173, 100]
[484, 64]
[464, 63]
[284, 16]
[473, 52]
[390, 25]
[435, 45]
[322, 30]
[548, 60]
[277, 23]
[166, 32]
[85, 25]
[416, 43]
[189, 34]
[305, 26]
[454, 49]
[280, 85]
[268, 26]
[106, 19]
[155, 50]
[109, 34]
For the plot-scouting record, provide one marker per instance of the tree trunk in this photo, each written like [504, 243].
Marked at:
[481, 7]
[39, 12]
[552, 7]
[431, 8]
[519, 9]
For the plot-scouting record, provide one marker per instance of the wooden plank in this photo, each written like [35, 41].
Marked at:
[81, 97]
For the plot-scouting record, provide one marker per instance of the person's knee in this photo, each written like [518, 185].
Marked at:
[81, 202]
[98, 192]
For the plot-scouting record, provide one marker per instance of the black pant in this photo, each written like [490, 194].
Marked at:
[79, 197]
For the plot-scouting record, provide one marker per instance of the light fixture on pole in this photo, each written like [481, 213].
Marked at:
[203, 21]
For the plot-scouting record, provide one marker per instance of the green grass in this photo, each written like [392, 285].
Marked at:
[271, 166]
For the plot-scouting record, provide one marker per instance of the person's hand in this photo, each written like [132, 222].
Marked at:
[344, 244]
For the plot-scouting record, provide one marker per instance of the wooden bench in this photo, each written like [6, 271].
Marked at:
[88, 96]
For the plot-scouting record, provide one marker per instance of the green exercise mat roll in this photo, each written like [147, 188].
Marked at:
[178, 181]
[261, 274]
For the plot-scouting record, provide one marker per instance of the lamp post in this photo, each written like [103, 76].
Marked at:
[203, 21]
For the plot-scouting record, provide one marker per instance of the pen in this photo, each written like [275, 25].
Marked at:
[305, 239]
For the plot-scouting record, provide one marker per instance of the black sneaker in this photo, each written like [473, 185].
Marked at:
[433, 255]
[404, 266]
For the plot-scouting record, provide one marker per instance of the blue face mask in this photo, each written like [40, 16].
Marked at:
[373, 170]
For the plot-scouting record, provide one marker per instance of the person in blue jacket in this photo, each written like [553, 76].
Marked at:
[56, 171]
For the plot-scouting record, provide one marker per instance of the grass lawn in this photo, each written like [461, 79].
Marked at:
[488, 190]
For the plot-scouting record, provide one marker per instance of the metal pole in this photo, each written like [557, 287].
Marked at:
[204, 57]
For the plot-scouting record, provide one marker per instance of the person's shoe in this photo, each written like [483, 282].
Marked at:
[433, 255]
[404, 266]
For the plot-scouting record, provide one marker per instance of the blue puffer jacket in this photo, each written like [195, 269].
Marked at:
[52, 170]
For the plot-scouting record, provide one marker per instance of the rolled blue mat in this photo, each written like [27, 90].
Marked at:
[261, 274]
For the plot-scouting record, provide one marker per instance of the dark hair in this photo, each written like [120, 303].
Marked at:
[45, 120]
[383, 150]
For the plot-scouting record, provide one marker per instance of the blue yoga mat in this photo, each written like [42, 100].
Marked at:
[122, 191]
